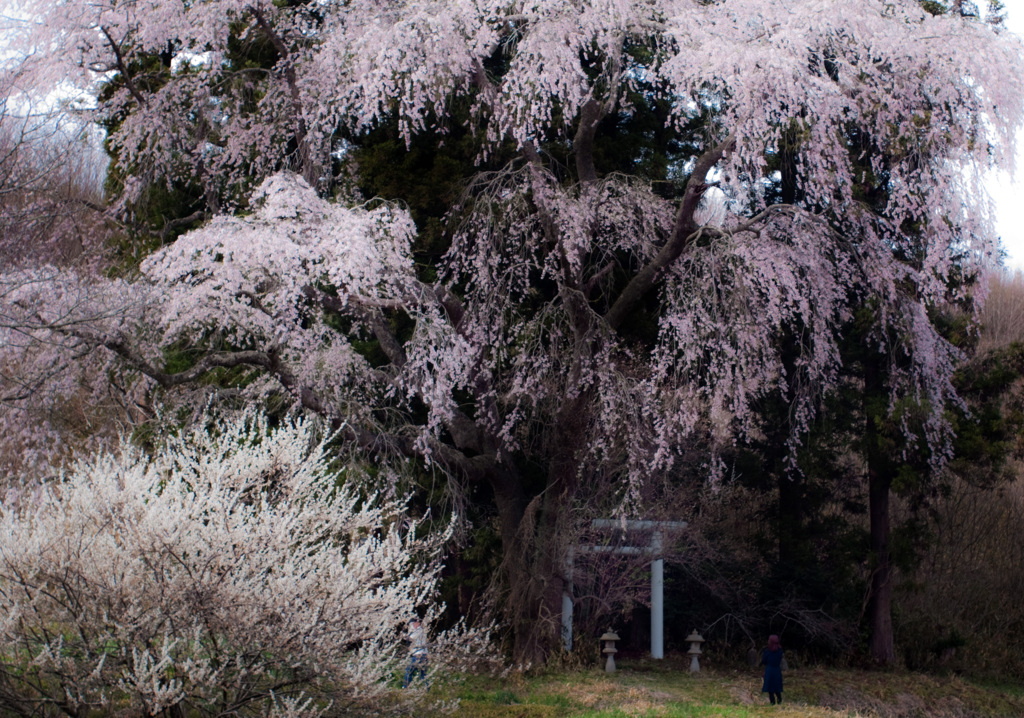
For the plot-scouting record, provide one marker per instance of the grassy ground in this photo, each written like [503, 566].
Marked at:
[666, 689]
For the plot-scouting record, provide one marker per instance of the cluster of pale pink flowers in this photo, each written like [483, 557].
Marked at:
[939, 98]
[232, 571]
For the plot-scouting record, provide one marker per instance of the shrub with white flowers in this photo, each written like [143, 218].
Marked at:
[235, 572]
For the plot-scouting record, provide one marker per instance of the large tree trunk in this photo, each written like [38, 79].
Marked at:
[532, 567]
[880, 603]
[538, 595]
[535, 539]
[533, 576]
[879, 472]
[792, 546]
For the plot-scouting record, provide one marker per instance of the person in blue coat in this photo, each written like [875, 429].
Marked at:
[771, 659]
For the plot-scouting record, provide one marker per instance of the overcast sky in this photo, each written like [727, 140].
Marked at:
[1009, 196]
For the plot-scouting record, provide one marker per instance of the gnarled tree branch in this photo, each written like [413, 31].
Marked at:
[682, 229]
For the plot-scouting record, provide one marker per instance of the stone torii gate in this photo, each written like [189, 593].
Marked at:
[657, 531]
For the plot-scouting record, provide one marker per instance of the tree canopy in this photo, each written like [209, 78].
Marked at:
[596, 309]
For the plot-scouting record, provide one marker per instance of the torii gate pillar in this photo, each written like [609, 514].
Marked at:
[657, 598]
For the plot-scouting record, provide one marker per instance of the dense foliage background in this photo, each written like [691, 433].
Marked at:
[533, 264]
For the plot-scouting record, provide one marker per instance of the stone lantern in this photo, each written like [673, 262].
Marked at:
[694, 639]
[608, 648]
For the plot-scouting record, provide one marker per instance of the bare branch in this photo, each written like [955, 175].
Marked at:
[122, 68]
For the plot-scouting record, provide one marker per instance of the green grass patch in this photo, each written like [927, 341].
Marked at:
[666, 689]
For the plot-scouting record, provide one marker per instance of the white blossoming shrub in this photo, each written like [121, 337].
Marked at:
[233, 573]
